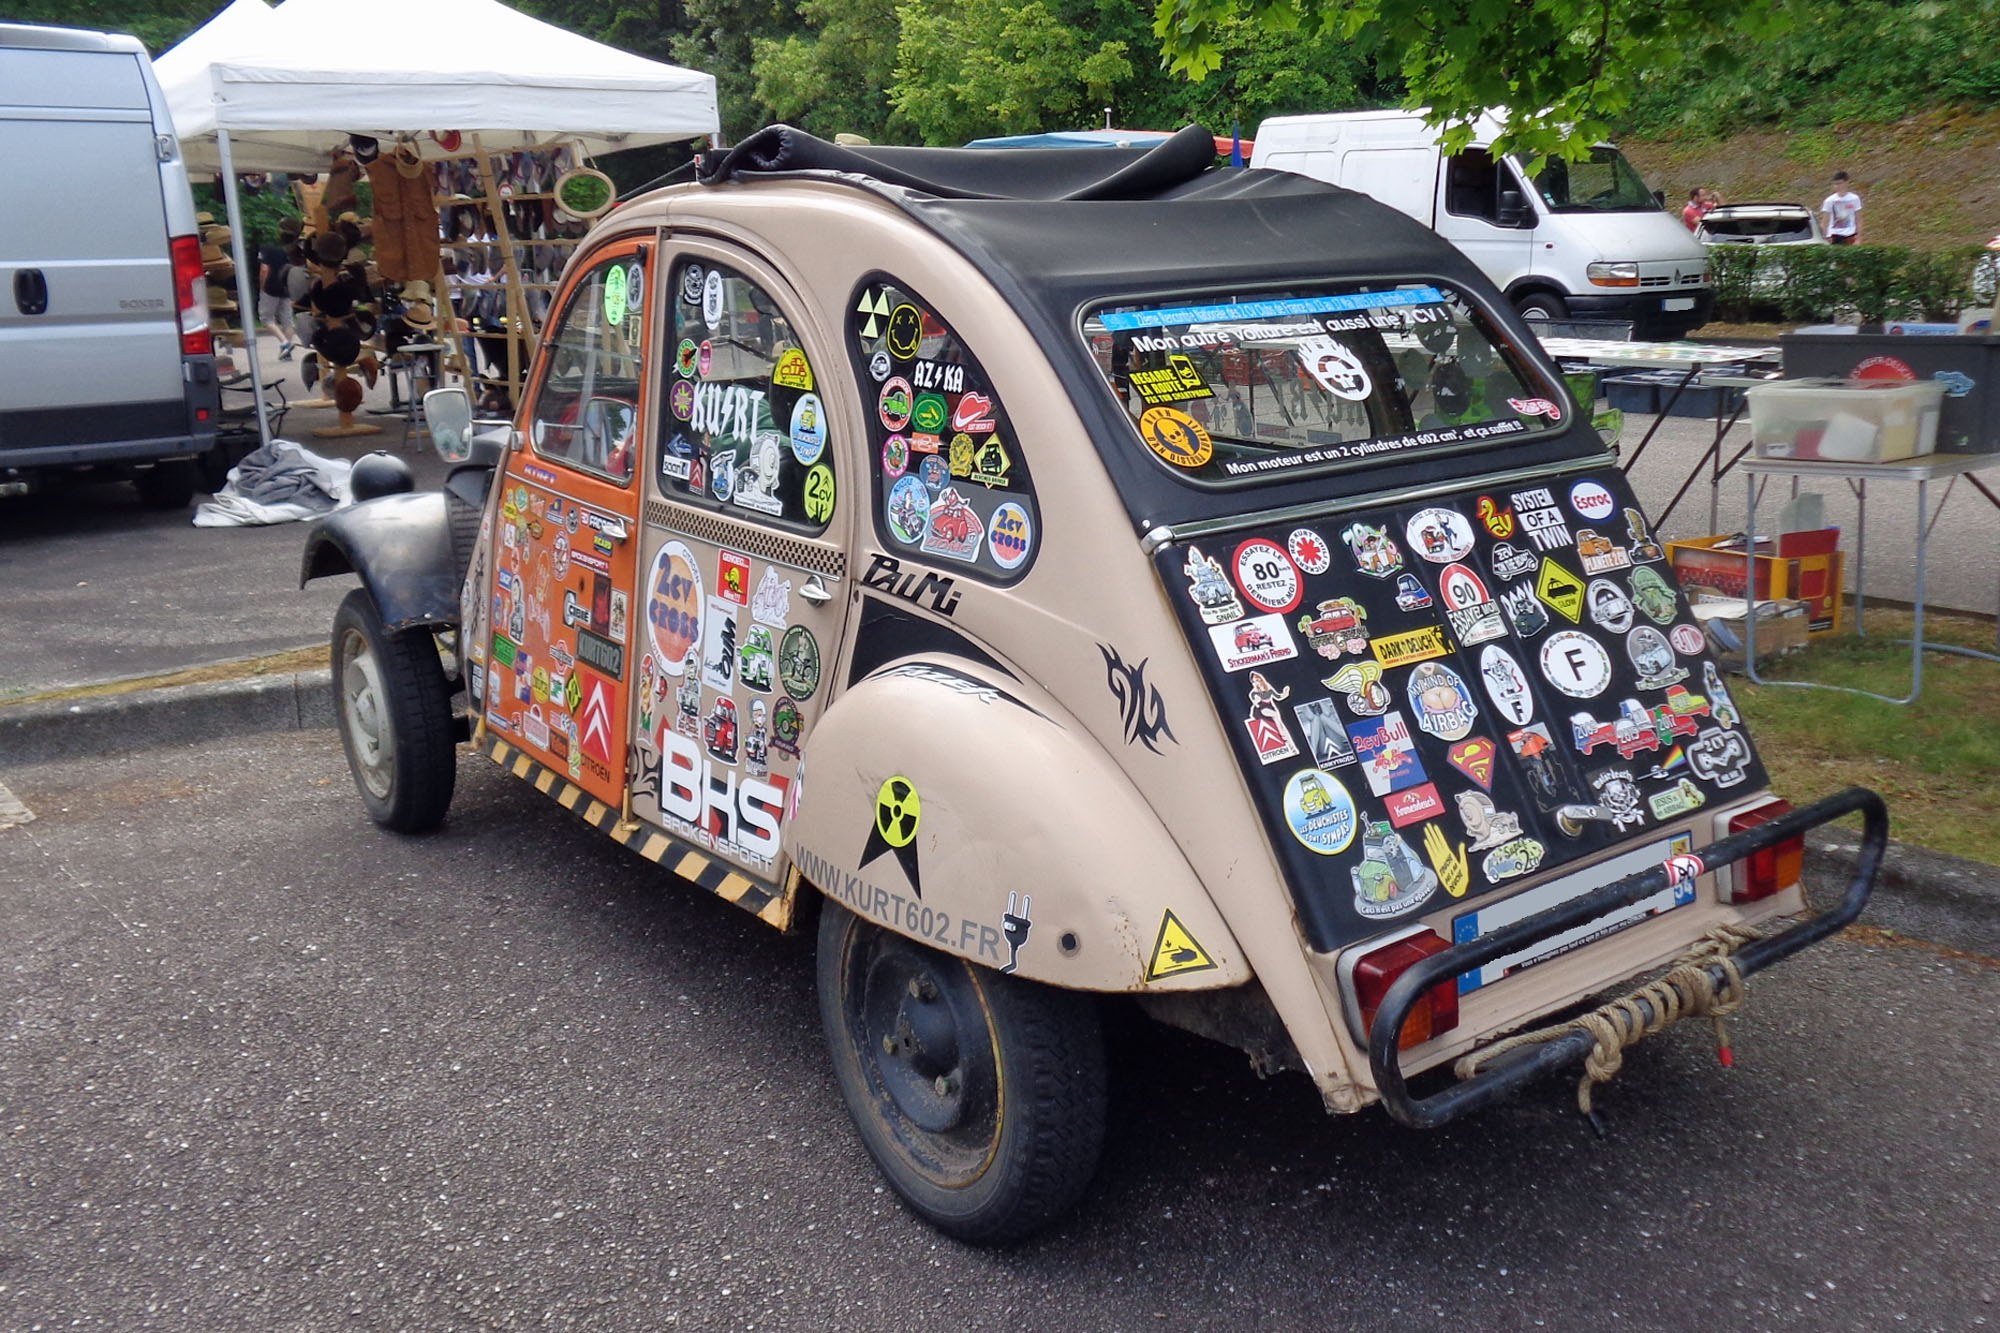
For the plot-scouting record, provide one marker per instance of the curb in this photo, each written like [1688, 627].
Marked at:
[1923, 894]
[174, 715]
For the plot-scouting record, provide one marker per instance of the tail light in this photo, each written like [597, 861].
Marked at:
[1436, 1011]
[1763, 873]
[191, 296]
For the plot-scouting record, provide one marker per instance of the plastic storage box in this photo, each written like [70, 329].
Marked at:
[1845, 421]
[1968, 366]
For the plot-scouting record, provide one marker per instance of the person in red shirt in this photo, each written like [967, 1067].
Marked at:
[1697, 205]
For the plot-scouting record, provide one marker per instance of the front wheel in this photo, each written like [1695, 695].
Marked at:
[1541, 309]
[393, 705]
[981, 1097]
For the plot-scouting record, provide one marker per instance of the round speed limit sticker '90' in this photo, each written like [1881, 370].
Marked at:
[1267, 575]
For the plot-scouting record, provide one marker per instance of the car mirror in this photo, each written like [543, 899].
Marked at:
[448, 412]
[1660, 198]
[1514, 210]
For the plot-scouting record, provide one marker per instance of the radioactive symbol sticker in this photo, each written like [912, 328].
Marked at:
[1175, 951]
[898, 812]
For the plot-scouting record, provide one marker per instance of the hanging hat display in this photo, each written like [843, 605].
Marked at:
[365, 148]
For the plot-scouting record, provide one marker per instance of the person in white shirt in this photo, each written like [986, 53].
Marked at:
[1842, 210]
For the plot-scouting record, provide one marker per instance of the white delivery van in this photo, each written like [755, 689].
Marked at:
[107, 368]
[1582, 240]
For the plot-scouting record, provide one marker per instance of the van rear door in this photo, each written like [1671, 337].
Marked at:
[83, 228]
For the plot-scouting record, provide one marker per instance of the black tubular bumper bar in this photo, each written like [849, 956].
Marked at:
[1532, 1062]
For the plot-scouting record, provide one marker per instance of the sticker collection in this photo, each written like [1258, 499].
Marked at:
[1417, 693]
[745, 426]
[951, 482]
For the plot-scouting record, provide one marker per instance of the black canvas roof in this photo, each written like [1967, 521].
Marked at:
[1060, 229]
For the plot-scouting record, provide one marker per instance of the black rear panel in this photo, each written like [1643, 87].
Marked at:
[1415, 691]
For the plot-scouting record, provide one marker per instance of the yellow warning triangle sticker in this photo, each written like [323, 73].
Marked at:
[1175, 951]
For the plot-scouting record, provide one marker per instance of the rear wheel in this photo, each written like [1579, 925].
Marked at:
[393, 706]
[981, 1097]
[166, 485]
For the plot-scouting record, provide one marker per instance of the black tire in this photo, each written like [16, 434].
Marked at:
[166, 485]
[1541, 307]
[980, 1096]
[393, 707]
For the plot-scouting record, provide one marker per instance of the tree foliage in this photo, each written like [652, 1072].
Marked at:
[1557, 71]
[1866, 60]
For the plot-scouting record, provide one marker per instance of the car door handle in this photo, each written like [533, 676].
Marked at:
[31, 291]
[816, 592]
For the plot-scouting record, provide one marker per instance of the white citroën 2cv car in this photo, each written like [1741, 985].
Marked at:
[1086, 574]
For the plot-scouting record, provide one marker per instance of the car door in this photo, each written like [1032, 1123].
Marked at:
[558, 681]
[743, 554]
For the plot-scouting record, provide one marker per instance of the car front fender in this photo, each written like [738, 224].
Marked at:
[1029, 852]
[400, 546]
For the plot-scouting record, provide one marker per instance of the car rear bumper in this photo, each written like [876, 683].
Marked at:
[1565, 1048]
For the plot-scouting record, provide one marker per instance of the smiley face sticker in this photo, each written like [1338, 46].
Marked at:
[1176, 437]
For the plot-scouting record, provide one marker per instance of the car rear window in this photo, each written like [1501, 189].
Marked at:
[1760, 227]
[1247, 389]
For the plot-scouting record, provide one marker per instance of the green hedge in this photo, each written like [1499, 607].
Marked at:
[1841, 283]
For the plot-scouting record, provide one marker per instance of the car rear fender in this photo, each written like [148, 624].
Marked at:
[400, 545]
[1030, 852]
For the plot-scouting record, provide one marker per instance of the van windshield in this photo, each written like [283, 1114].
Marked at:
[1604, 182]
[1247, 389]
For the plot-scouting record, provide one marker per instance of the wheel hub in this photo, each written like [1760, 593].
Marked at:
[912, 1020]
[362, 705]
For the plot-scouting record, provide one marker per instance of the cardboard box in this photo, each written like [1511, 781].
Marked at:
[1781, 629]
[1804, 566]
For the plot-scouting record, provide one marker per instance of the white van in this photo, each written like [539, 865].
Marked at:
[1583, 240]
[107, 367]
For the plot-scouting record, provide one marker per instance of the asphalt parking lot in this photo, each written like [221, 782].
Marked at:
[266, 1066]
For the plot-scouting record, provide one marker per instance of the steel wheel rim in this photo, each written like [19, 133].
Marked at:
[364, 709]
[926, 1045]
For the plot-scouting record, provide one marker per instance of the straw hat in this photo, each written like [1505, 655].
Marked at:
[408, 161]
[204, 219]
[417, 290]
[417, 314]
[219, 298]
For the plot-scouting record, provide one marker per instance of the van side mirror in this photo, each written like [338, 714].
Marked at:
[448, 413]
[1514, 210]
[1660, 198]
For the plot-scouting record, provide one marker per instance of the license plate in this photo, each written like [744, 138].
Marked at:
[1678, 303]
[1476, 925]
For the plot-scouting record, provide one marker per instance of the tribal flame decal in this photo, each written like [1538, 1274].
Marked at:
[1139, 704]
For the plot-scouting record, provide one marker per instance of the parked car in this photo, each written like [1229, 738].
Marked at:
[1043, 771]
[1760, 224]
[107, 366]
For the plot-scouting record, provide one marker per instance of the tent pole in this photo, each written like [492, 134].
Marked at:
[517, 307]
[246, 288]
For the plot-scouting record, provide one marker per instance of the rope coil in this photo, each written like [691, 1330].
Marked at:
[1686, 990]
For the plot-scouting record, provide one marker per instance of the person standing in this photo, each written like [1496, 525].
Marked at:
[1842, 210]
[1697, 205]
[274, 300]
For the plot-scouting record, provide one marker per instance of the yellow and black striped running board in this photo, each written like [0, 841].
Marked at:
[657, 846]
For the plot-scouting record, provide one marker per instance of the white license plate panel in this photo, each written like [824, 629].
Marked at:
[1678, 303]
[1477, 925]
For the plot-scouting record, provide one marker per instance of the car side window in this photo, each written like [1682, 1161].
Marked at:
[950, 477]
[744, 425]
[587, 410]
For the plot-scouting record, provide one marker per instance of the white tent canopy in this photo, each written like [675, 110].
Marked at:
[289, 84]
[260, 89]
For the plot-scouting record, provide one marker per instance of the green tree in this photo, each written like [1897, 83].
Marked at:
[835, 76]
[967, 68]
[1557, 70]
[157, 23]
